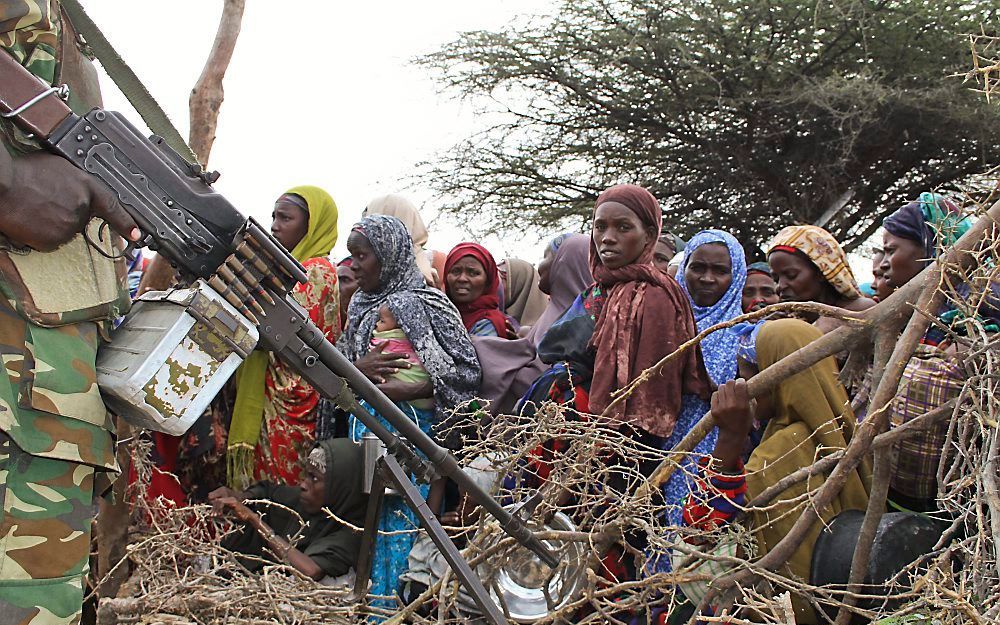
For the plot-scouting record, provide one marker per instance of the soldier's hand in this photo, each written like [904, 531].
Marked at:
[45, 201]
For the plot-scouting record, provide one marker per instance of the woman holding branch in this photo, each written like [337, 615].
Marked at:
[807, 417]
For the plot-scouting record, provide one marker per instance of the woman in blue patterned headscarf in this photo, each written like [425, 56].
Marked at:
[713, 274]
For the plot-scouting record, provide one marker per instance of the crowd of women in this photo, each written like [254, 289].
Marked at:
[442, 332]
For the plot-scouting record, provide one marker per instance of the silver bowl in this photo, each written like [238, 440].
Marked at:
[519, 583]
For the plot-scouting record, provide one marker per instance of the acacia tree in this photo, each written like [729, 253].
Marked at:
[742, 114]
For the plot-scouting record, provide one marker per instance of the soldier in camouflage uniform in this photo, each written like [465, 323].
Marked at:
[55, 434]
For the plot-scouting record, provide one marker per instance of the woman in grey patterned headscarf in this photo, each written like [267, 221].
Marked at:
[387, 275]
[423, 321]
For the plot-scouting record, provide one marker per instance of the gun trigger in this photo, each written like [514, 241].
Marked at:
[100, 237]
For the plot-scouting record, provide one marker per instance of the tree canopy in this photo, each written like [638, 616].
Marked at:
[741, 114]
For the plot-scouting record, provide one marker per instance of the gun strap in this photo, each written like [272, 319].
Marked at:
[28, 102]
[126, 80]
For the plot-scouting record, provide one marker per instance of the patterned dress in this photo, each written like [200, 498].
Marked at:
[290, 407]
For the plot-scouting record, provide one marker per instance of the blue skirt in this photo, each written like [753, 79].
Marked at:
[391, 551]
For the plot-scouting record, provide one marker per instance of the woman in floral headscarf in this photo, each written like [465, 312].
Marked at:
[810, 266]
[274, 419]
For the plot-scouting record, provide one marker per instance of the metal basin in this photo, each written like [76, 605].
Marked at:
[519, 583]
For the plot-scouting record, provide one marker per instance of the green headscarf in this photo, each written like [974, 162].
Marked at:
[322, 233]
[944, 217]
[248, 413]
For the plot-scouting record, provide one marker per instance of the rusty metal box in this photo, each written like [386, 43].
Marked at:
[171, 356]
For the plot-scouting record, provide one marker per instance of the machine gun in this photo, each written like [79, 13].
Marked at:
[204, 237]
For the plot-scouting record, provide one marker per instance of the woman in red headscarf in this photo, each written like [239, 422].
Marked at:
[631, 318]
[471, 280]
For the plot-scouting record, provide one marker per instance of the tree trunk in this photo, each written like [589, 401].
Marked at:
[207, 95]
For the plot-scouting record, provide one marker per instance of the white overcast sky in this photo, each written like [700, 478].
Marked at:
[318, 92]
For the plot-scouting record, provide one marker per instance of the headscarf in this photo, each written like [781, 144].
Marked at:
[248, 411]
[510, 367]
[487, 305]
[645, 317]
[404, 210]
[555, 243]
[746, 341]
[932, 221]
[760, 267]
[321, 237]
[824, 252]
[425, 314]
[525, 302]
[569, 275]
[342, 475]
[718, 348]
[812, 419]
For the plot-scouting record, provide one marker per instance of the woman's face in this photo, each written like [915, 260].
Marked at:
[545, 271]
[348, 284]
[289, 223]
[759, 291]
[878, 276]
[798, 279]
[708, 274]
[903, 260]
[466, 280]
[662, 255]
[366, 265]
[619, 235]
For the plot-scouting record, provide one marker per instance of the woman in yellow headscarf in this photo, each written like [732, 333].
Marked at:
[274, 419]
[807, 417]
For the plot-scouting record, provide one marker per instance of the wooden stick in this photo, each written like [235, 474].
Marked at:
[207, 94]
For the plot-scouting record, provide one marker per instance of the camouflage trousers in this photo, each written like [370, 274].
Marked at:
[45, 522]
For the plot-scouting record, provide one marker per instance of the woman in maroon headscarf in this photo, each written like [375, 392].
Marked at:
[644, 317]
[471, 280]
[631, 318]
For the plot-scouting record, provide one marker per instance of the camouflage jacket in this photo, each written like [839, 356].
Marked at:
[50, 404]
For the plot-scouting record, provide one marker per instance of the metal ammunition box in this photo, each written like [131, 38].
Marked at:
[171, 356]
